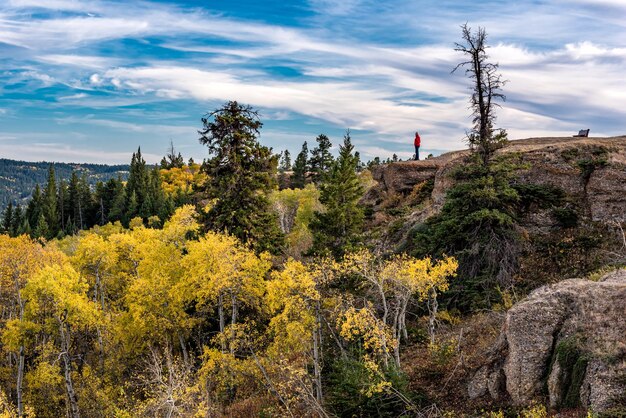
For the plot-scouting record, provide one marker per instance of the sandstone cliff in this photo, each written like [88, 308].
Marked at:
[566, 341]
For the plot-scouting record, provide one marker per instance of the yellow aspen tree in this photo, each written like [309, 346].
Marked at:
[20, 259]
[363, 327]
[398, 280]
[56, 299]
[294, 299]
[220, 271]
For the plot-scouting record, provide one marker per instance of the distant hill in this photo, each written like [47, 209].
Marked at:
[18, 178]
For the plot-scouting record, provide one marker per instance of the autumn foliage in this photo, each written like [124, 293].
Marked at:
[165, 322]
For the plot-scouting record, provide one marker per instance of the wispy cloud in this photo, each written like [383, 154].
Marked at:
[381, 68]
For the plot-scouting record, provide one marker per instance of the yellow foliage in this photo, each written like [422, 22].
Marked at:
[182, 180]
[218, 264]
[59, 290]
[292, 297]
[534, 411]
[419, 276]
[363, 326]
[295, 209]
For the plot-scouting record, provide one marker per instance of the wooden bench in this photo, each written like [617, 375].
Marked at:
[583, 133]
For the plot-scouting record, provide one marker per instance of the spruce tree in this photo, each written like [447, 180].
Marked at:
[63, 203]
[41, 230]
[300, 168]
[16, 221]
[321, 158]
[133, 207]
[7, 219]
[285, 161]
[117, 193]
[137, 183]
[336, 230]
[35, 206]
[240, 175]
[50, 204]
[172, 159]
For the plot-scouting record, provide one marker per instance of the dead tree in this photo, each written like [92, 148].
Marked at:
[486, 88]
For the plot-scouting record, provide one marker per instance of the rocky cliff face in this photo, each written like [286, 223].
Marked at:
[592, 169]
[576, 233]
[566, 341]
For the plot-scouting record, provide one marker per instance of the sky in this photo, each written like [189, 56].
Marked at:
[90, 81]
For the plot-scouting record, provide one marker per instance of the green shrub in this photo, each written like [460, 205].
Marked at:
[566, 217]
[573, 363]
[346, 392]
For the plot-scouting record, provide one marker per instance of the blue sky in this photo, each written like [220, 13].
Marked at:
[90, 81]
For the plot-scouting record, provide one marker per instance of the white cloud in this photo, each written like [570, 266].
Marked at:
[73, 96]
[552, 64]
[82, 61]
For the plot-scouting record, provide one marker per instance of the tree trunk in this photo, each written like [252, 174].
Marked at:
[20, 362]
[183, 347]
[220, 312]
[433, 305]
[67, 370]
[20, 380]
[233, 320]
[317, 362]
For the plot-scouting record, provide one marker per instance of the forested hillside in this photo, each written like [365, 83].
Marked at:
[18, 178]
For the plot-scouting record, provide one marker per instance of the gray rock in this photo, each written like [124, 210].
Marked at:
[591, 313]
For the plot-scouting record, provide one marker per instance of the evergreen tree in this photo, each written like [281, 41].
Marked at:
[117, 193]
[172, 159]
[35, 206]
[16, 221]
[336, 229]
[50, 204]
[240, 174]
[41, 230]
[137, 183]
[300, 168]
[285, 161]
[133, 207]
[160, 207]
[7, 219]
[82, 209]
[62, 200]
[321, 158]
[477, 225]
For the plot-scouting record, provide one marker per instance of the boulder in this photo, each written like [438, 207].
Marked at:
[566, 341]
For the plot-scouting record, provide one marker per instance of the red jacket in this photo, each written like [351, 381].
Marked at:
[418, 140]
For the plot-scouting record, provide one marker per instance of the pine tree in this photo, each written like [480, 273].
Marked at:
[35, 206]
[336, 230]
[285, 161]
[240, 175]
[133, 207]
[137, 182]
[62, 199]
[300, 168]
[50, 204]
[172, 160]
[41, 230]
[16, 221]
[321, 158]
[117, 193]
[486, 89]
[7, 219]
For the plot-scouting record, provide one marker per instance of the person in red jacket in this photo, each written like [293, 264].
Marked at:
[417, 142]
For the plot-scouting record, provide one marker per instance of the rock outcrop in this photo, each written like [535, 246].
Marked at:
[591, 169]
[566, 341]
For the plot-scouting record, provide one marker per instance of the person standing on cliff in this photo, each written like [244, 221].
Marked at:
[417, 142]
